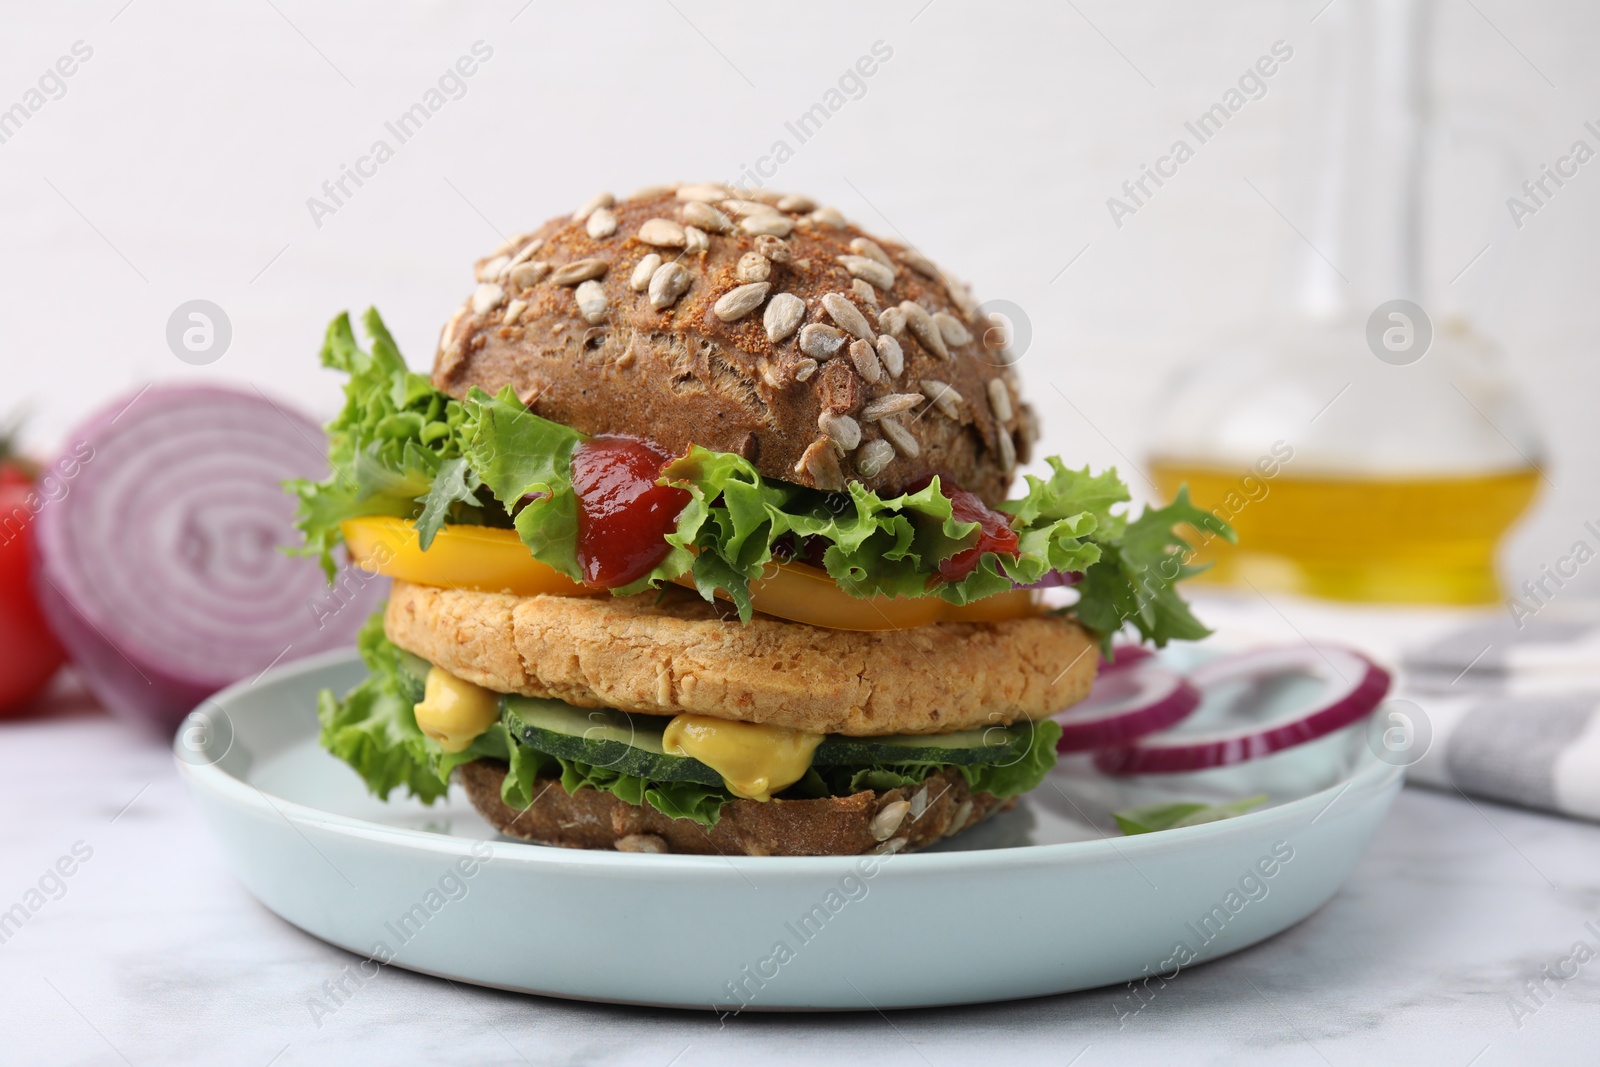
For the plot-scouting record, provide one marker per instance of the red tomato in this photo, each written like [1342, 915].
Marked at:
[29, 654]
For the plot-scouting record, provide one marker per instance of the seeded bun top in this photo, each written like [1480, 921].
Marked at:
[747, 322]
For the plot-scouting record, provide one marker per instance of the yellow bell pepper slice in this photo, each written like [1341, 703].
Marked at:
[480, 558]
[802, 593]
[493, 560]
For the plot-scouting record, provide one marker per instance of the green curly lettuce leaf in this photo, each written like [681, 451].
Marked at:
[676, 800]
[374, 730]
[1014, 779]
[1136, 578]
[520, 456]
[1001, 780]
[389, 449]
[876, 546]
[399, 447]
[452, 485]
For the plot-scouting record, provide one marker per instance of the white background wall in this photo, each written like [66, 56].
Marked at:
[183, 152]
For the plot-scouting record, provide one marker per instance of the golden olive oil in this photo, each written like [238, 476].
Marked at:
[1420, 540]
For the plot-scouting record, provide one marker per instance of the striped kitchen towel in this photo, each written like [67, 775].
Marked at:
[1513, 709]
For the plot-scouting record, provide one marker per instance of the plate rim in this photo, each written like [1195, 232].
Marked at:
[1371, 776]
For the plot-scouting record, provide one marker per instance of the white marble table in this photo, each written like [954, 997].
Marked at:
[153, 954]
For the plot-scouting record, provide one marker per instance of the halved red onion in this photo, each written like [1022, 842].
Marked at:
[1353, 687]
[161, 568]
[1126, 703]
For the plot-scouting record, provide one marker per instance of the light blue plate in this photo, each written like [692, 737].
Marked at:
[1045, 899]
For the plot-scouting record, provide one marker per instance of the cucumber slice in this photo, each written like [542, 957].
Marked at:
[632, 743]
[992, 744]
[601, 737]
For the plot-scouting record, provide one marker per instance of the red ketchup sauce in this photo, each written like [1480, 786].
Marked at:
[994, 530]
[624, 517]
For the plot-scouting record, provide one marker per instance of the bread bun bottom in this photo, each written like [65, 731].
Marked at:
[865, 822]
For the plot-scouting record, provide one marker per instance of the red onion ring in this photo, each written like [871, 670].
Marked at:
[1354, 687]
[1127, 702]
[161, 568]
[1053, 580]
